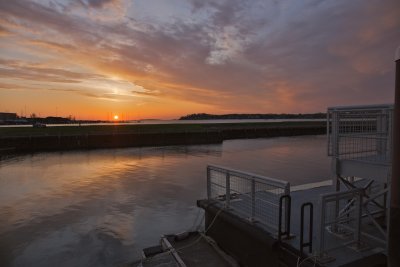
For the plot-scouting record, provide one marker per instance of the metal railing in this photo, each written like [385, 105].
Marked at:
[362, 133]
[360, 142]
[285, 205]
[340, 221]
[309, 243]
[250, 196]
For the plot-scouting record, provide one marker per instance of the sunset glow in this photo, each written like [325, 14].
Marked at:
[167, 59]
[116, 117]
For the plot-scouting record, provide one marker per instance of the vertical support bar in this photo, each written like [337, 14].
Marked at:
[357, 234]
[253, 199]
[390, 134]
[228, 190]
[335, 133]
[288, 205]
[287, 215]
[335, 160]
[337, 209]
[394, 229]
[384, 203]
[208, 183]
[310, 228]
[381, 127]
[321, 229]
[280, 219]
[328, 131]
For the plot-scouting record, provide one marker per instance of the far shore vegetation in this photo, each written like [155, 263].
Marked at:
[205, 116]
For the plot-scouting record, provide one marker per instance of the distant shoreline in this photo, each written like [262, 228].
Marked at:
[27, 139]
[205, 116]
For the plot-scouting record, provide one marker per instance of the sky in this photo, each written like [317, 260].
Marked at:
[93, 59]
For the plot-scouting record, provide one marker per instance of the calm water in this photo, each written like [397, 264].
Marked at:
[101, 207]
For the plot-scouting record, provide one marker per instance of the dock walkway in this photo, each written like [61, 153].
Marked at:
[369, 255]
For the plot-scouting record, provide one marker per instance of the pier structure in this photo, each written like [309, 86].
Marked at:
[360, 144]
[340, 222]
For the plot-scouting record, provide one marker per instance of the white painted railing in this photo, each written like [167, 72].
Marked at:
[362, 133]
[250, 196]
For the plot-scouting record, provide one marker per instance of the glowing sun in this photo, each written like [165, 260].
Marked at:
[116, 117]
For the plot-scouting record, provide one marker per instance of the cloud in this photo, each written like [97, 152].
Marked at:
[33, 72]
[4, 31]
[239, 56]
[100, 3]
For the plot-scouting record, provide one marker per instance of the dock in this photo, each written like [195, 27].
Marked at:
[262, 221]
[341, 222]
[284, 250]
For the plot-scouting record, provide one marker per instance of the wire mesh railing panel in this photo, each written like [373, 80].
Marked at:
[267, 208]
[251, 196]
[363, 134]
[218, 184]
[240, 190]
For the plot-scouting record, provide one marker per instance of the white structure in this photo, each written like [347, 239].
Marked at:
[360, 144]
[360, 141]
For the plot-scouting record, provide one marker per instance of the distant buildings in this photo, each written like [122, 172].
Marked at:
[5, 116]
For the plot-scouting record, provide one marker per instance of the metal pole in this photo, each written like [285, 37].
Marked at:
[253, 199]
[357, 234]
[394, 229]
[208, 183]
[228, 190]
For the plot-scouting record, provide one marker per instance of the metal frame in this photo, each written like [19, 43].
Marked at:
[347, 220]
[308, 244]
[359, 132]
[360, 143]
[253, 197]
[288, 207]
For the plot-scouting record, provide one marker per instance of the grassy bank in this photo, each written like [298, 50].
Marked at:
[148, 128]
[29, 139]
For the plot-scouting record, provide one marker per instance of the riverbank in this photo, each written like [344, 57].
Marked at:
[27, 139]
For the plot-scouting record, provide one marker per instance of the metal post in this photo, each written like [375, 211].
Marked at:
[321, 229]
[381, 130]
[228, 190]
[208, 183]
[357, 234]
[394, 229]
[310, 228]
[253, 199]
[288, 206]
[287, 216]
[335, 228]
[335, 134]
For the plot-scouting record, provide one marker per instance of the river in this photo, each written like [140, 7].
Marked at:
[101, 207]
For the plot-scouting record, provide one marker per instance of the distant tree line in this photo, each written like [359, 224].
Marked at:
[205, 116]
[6, 119]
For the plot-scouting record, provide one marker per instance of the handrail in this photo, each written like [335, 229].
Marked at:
[259, 196]
[310, 228]
[250, 176]
[361, 107]
[288, 205]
